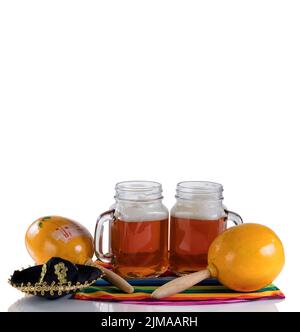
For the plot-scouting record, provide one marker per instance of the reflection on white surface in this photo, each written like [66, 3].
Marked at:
[33, 303]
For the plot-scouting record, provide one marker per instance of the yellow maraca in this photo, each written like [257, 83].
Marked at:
[244, 258]
[58, 236]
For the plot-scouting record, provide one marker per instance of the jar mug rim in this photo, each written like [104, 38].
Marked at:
[138, 190]
[199, 190]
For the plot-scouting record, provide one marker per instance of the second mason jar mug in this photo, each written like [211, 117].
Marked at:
[197, 218]
[137, 231]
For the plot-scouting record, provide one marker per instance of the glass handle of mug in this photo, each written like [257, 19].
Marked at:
[234, 217]
[107, 216]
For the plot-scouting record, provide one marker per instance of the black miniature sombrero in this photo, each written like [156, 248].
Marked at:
[56, 278]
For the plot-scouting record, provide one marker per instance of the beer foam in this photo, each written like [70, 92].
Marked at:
[139, 212]
[202, 210]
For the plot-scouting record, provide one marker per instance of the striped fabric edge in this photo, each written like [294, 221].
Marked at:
[196, 298]
[195, 289]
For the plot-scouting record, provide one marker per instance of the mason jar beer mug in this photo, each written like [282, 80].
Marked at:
[137, 232]
[196, 219]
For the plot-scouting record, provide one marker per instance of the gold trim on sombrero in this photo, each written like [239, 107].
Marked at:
[44, 270]
[61, 272]
[63, 285]
[52, 288]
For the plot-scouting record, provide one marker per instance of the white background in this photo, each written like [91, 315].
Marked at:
[95, 92]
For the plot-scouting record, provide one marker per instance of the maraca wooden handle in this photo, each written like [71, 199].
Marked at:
[114, 278]
[180, 284]
[118, 281]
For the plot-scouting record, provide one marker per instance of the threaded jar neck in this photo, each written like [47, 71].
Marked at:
[199, 190]
[142, 191]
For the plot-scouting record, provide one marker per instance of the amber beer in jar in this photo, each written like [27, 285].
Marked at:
[137, 231]
[197, 218]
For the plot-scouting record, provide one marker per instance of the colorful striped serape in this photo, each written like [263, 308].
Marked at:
[207, 292]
